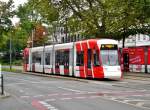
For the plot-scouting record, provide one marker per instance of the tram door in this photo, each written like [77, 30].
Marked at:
[89, 63]
[126, 61]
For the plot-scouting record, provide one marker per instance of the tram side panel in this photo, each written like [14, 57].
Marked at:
[148, 62]
[136, 60]
[63, 59]
[125, 59]
[87, 60]
[97, 69]
[48, 57]
[25, 59]
[79, 70]
[37, 58]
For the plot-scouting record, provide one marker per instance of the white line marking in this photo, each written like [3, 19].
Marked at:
[92, 92]
[80, 93]
[140, 104]
[48, 106]
[66, 98]
[38, 96]
[126, 103]
[138, 95]
[136, 100]
[94, 97]
[67, 94]
[21, 91]
[80, 97]
[102, 83]
[52, 94]
[68, 89]
[49, 100]
[24, 96]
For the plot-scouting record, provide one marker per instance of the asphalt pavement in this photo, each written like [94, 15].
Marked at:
[35, 92]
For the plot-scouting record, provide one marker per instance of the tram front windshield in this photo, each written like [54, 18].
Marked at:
[109, 55]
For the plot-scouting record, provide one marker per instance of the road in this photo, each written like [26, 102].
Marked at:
[30, 92]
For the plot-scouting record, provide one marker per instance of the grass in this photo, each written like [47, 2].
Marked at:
[16, 62]
[11, 70]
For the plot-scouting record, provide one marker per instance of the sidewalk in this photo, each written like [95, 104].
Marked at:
[134, 74]
[4, 96]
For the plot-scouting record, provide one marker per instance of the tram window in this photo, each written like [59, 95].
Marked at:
[66, 59]
[36, 57]
[47, 58]
[80, 59]
[33, 57]
[61, 58]
[96, 58]
[57, 58]
[89, 58]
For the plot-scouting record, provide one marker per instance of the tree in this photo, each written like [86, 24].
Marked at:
[101, 18]
[5, 23]
[33, 14]
[40, 35]
[90, 14]
[125, 17]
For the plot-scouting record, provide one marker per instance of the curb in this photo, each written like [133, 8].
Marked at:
[57, 76]
[6, 95]
[126, 76]
[143, 75]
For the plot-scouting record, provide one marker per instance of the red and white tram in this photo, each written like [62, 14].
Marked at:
[86, 59]
[136, 54]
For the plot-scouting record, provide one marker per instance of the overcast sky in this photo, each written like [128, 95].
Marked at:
[15, 19]
[16, 2]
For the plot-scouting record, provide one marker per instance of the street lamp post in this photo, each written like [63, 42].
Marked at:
[10, 52]
[2, 82]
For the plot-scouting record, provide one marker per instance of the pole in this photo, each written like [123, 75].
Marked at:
[2, 84]
[2, 81]
[43, 57]
[66, 31]
[10, 53]
[32, 37]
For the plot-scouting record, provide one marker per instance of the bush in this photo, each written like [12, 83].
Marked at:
[6, 61]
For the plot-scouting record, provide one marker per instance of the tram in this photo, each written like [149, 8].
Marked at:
[135, 56]
[93, 58]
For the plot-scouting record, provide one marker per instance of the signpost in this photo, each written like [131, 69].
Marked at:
[2, 82]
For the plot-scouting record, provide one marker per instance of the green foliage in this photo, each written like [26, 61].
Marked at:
[108, 17]
[12, 70]
[98, 18]
[5, 23]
